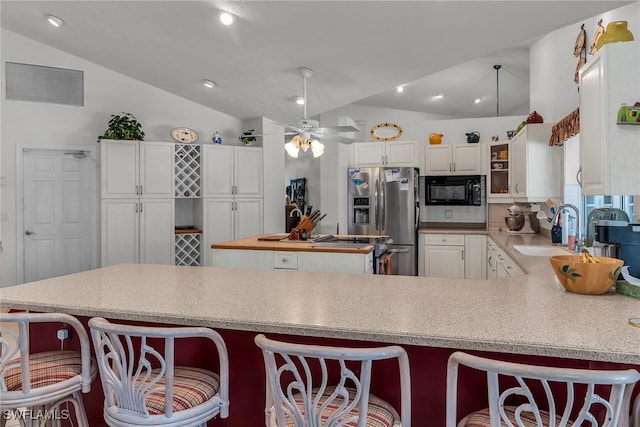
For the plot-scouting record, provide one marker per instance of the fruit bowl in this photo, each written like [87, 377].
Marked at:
[586, 277]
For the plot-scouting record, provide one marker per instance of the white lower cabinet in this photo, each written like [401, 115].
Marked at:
[457, 256]
[231, 219]
[475, 266]
[138, 231]
[443, 255]
[499, 264]
[323, 262]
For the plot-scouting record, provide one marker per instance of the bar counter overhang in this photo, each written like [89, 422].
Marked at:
[525, 318]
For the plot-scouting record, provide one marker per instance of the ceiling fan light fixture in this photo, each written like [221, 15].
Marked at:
[226, 18]
[292, 149]
[55, 21]
[317, 148]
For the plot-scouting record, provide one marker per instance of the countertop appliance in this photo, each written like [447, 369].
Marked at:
[453, 190]
[619, 239]
[385, 202]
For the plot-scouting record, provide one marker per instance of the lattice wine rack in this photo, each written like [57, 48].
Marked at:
[188, 249]
[187, 164]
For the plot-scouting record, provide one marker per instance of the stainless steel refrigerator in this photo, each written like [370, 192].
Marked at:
[385, 201]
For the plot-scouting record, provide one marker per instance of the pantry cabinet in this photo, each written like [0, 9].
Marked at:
[137, 192]
[385, 153]
[453, 159]
[536, 167]
[609, 151]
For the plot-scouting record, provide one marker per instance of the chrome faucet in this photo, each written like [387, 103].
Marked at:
[578, 246]
[293, 210]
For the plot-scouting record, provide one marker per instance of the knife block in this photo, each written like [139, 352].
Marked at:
[306, 225]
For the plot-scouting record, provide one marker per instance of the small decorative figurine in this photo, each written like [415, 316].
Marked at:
[217, 139]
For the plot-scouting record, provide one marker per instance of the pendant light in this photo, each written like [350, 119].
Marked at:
[497, 68]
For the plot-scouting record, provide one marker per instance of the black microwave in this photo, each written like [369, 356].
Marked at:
[453, 190]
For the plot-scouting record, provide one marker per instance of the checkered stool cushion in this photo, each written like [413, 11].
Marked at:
[379, 413]
[191, 387]
[47, 368]
[481, 418]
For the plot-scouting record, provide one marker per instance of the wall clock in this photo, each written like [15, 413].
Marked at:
[184, 135]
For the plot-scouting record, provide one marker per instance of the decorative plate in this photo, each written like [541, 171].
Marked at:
[397, 128]
[184, 135]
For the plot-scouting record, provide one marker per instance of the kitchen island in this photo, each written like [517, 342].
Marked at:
[527, 317]
[275, 251]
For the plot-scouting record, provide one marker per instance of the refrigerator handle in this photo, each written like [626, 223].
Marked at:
[382, 207]
[377, 202]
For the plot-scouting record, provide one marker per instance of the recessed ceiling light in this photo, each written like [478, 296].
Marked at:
[226, 18]
[438, 96]
[300, 100]
[55, 21]
[477, 101]
[400, 89]
[208, 83]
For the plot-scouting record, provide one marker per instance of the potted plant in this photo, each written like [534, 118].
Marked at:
[247, 137]
[124, 126]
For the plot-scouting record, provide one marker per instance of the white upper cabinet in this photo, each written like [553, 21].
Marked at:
[609, 152]
[132, 169]
[536, 167]
[385, 153]
[453, 159]
[232, 171]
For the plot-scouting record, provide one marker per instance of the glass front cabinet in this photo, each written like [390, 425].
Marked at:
[499, 171]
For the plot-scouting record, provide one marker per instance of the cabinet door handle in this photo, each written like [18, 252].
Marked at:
[136, 208]
[579, 176]
[140, 207]
[462, 254]
[454, 167]
[517, 189]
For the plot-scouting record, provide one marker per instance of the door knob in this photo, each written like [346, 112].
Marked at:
[29, 232]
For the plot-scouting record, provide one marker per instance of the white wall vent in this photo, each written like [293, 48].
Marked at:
[37, 83]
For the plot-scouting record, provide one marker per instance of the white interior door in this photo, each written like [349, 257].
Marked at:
[58, 213]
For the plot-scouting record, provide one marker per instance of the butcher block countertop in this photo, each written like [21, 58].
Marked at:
[257, 243]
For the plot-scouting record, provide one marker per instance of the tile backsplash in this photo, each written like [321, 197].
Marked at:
[465, 214]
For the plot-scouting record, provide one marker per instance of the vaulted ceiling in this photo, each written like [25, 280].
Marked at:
[360, 50]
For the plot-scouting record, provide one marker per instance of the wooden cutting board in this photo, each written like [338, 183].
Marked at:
[273, 237]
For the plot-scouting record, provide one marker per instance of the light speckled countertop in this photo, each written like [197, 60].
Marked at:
[528, 314]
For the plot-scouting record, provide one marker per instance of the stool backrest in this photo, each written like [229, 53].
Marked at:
[12, 343]
[131, 369]
[583, 392]
[302, 371]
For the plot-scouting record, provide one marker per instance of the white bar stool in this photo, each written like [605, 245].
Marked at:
[143, 387]
[296, 399]
[42, 382]
[542, 411]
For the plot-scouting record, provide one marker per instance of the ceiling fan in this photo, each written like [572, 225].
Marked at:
[308, 133]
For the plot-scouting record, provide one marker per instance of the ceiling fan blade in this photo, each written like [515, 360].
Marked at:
[333, 138]
[266, 134]
[293, 128]
[336, 129]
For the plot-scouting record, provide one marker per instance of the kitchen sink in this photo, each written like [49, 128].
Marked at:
[541, 250]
